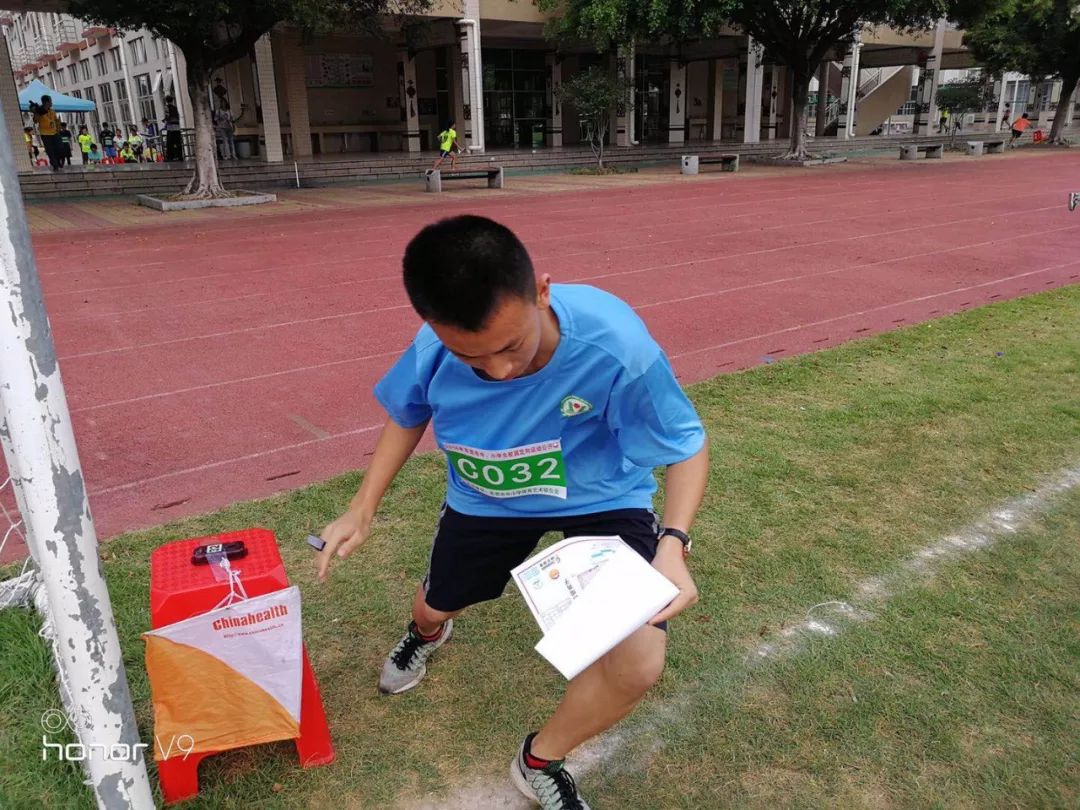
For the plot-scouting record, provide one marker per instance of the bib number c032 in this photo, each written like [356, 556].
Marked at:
[534, 469]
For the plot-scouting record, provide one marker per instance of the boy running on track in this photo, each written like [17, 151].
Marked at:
[553, 405]
[1018, 127]
[448, 145]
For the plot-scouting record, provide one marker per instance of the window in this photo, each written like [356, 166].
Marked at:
[73, 74]
[114, 55]
[155, 47]
[144, 92]
[107, 108]
[138, 50]
[84, 68]
[76, 94]
[122, 93]
[99, 64]
[60, 78]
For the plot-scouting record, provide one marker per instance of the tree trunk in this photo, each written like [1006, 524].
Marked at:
[601, 133]
[204, 183]
[1064, 108]
[800, 92]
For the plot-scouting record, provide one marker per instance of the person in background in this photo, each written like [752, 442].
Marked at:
[135, 141]
[174, 143]
[127, 154]
[448, 145]
[66, 139]
[48, 130]
[31, 148]
[108, 142]
[85, 141]
[224, 131]
[1019, 126]
[94, 155]
[1005, 117]
[151, 132]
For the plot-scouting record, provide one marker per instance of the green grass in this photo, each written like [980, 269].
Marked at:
[827, 469]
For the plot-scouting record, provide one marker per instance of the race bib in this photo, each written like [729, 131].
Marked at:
[535, 469]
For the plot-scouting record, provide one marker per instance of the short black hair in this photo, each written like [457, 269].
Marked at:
[458, 271]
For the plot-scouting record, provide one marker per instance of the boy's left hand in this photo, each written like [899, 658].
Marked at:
[671, 562]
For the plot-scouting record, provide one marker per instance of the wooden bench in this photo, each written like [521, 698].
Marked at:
[435, 178]
[932, 150]
[727, 163]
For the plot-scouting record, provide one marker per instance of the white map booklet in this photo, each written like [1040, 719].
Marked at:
[588, 594]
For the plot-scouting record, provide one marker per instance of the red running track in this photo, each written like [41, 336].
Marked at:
[211, 363]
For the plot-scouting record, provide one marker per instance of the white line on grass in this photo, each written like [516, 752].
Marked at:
[613, 748]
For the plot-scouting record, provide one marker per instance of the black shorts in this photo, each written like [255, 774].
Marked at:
[445, 152]
[1017, 133]
[472, 557]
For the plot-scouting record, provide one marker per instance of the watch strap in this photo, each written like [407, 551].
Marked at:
[680, 535]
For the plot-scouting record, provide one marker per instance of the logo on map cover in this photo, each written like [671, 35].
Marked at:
[574, 406]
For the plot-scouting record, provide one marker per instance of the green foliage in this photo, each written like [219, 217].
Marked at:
[967, 95]
[212, 33]
[1035, 37]
[595, 94]
[608, 23]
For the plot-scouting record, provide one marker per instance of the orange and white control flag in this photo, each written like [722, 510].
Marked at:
[230, 677]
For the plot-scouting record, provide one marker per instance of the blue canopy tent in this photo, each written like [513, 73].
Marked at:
[61, 103]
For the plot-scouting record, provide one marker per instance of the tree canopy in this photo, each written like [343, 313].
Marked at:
[796, 33]
[213, 33]
[1039, 38]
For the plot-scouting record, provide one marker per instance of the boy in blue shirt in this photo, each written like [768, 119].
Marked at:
[553, 405]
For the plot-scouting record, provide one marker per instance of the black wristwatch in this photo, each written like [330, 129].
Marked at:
[681, 536]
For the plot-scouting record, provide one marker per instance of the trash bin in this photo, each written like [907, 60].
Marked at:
[537, 136]
[243, 149]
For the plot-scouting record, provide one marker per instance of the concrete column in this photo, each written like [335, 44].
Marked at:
[676, 102]
[1070, 109]
[624, 111]
[755, 77]
[1001, 102]
[1043, 94]
[9, 99]
[271, 118]
[458, 92]
[291, 52]
[849, 89]
[716, 99]
[822, 99]
[553, 125]
[132, 112]
[178, 66]
[776, 91]
[927, 113]
[407, 87]
[472, 71]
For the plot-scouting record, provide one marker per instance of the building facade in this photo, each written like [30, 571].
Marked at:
[126, 74]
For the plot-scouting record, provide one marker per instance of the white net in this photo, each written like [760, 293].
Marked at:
[17, 590]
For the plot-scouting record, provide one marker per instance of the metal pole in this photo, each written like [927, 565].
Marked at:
[40, 449]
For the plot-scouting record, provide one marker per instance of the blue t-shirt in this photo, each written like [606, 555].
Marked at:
[581, 435]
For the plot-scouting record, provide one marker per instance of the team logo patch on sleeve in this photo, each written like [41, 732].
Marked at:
[574, 406]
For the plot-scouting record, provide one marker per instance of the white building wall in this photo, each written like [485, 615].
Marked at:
[123, 72]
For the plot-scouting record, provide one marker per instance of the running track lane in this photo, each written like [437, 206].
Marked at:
[223, 361]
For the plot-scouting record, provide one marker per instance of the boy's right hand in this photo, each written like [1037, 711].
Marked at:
[343, 537]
